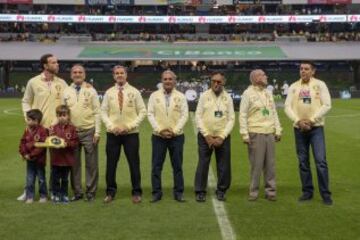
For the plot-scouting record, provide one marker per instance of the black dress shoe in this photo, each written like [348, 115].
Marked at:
[155, 199]
[180, 199]
[305, 197]
[220, 196]
[90, 197]
[327, 201]
[200, 197]
[77, 198]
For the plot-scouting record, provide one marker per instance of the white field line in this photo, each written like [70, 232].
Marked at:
[226, 229]
[344, 115]
[12, 111]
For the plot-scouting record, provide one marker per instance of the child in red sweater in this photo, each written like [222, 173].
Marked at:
[35, 157]
[62, 159]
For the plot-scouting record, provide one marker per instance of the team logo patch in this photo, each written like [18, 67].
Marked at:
[177, 100]
[68, 135]
[37, 137]
[131, 95]
[58, 91]
[87, 94]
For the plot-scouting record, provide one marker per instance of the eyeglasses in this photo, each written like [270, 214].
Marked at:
[167, 79]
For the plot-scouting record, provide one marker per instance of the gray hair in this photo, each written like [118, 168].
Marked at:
[77, 65]
[117, 67]
[169, 72]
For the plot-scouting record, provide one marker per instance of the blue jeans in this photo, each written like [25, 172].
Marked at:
[32, 170]
[175, 146]
[314, 138]
[60, 180]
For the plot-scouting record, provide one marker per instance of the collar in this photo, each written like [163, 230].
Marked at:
[167, 94]
[123, 86]
[73, 85]
[213, 93]
[33, 129]
[308, 83]
[43, 77]
[258, 88]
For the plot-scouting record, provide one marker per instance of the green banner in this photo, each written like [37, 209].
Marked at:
[172, 51]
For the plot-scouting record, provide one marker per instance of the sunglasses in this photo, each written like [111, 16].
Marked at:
[167, 78]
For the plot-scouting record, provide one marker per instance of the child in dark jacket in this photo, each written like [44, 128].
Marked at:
[35, 157]
[62, 159]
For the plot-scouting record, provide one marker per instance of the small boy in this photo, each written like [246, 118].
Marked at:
[35, 157]
[62, 159]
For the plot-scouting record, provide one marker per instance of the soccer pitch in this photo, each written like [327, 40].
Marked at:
[168, 219]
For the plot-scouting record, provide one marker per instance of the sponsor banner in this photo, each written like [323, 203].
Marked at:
[353, 18]
[329, 1]
[179, 19]
[295, 1]
[151, 2]
[182, 52]
[60, 2]
[200, 2]
[330, 18]
[225, 2]
[19, 1]
[182, 19]
[320, 1]
[109, 2]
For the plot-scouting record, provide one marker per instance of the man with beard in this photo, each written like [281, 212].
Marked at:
[44, 92]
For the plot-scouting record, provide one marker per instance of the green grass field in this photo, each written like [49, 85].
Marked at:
[283, 219]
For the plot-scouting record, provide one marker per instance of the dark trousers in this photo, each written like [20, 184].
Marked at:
[314, 138]
[130, 143]
[175, 146]
[60, 180]
[34, 170]
[222, 154]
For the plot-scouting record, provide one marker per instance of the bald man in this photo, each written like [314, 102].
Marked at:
[83, 101]
[260, 129]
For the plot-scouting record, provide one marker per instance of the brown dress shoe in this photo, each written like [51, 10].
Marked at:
[271, 198]
[136, 199]
[108, 199]
[252, 198]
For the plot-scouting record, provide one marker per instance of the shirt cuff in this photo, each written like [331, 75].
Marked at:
[245, 137]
